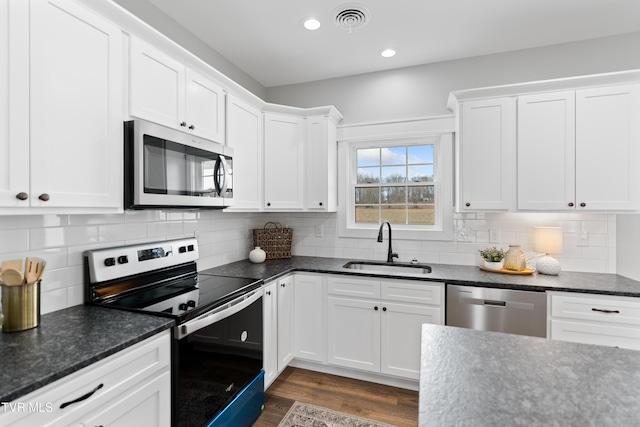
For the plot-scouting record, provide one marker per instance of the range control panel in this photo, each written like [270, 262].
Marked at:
[113, 263]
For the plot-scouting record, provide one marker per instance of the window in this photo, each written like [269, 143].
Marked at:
[395, 184]
[407, 181]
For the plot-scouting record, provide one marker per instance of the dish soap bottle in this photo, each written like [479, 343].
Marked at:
[515, 260]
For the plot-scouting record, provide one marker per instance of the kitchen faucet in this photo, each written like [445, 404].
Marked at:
[390, 254]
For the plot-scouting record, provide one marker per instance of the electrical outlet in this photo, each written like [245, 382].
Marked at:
[494, 235]
[319, 231]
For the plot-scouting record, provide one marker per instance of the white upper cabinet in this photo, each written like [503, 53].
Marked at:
[164, 91]
[546, 151]
[283, 162]
[322, 164]
[61, 131]
[608, 148]
[487, 154]
[244, 135]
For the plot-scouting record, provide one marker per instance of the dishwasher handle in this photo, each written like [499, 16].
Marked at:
[495, 303]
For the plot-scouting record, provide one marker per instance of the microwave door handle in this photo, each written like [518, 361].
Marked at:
[221, 163]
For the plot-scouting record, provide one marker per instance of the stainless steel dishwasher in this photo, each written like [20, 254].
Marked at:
[500, 310]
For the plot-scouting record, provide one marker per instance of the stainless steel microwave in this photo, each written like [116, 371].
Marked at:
[167, 168]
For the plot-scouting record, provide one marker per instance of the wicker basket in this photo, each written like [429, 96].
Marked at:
[274, 240]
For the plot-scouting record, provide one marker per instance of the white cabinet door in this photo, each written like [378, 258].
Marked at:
[149, 404]
[401, 326]
[488, 154]
[308, 317]
[354, 333]
[607, 149]
[65, 132]
[270, 315]
[14, 102]
[285, 322]
[546, 151]
[283, 162]
[204, 107]
[157, 87]
[244, 135]
[321, 165]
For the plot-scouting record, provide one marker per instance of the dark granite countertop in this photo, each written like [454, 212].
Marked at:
[597, 283]
[474, 378]
[66, 341]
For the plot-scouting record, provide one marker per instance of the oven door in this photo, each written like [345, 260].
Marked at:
[218, 357]
[166, 167]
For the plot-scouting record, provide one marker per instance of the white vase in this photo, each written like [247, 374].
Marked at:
[497, 265]
[257, 255]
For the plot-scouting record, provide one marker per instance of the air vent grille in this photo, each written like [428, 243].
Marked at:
[350, 16]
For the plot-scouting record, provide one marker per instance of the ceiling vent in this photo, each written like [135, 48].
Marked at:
[350, 16]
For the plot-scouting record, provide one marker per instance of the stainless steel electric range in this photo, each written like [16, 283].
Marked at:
[217, 351]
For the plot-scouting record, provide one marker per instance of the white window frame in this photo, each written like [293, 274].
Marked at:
[443, 182]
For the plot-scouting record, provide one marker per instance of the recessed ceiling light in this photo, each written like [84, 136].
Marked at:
[311, 24]
[388, 53]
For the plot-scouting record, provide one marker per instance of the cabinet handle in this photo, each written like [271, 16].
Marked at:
[583, 204]
[384, 308]
[81, 398]
[320, 203]
[570, 204]
[22, 196]
[467, 204]
[268, 292]
[44, 197]
[283, 285]
[183, 124]
[375, 308]
[605, 311]
[268, 204]
[192, 127]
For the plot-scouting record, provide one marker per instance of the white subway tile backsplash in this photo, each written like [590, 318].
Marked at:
[14, 240]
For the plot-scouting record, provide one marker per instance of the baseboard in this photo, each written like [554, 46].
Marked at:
[355, 374]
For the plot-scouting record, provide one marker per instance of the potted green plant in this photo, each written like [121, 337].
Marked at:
[493, 258]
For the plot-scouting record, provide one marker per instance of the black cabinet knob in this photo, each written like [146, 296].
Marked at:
[375, 308]
[183, 124]
[384, 308]
[467, 204]
[192, 127]
[570, 204]
[44, 197]
[22, 196]
[268, 204]
[583, 204]
[320, 203]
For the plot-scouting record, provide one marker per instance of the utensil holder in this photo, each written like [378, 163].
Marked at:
[20, 307]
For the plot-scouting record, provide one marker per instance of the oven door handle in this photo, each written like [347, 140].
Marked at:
[217, 315]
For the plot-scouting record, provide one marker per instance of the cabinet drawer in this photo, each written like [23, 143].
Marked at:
[603, 309]
[590, 333]
[109, 378]
[361, 288]
[417, 293]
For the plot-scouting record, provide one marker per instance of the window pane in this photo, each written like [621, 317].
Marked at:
[394, 155]
[367, 196]
[421, 194]
[394, 174]
[368, 214]
[368, 175]
[421, 173]
[393, 195]
[394, 214]
[368, 157]
[420, 154]
[421, 214]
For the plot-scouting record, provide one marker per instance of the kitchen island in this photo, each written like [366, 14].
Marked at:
[475, 378]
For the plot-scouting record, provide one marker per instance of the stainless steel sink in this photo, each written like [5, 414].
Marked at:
[389, 267]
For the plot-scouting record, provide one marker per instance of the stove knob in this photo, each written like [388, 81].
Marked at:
[182, 306]
[110, 262]
[123, 259]
[182, 249]
[190, 248]
[191, 303]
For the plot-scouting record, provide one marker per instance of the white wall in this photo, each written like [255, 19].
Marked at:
[422, 91]
[628, 238]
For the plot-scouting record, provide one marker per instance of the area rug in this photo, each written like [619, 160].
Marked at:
[305, 415]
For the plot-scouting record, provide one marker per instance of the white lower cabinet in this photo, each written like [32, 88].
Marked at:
[285, 321]
[381, 334]
[594, 319]
[308, 317]
[131, 387]
[270, 350]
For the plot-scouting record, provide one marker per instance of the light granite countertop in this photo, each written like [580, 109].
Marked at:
[475, 378]
[598, 283]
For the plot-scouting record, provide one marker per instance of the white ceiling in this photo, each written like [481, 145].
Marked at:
[265, 38]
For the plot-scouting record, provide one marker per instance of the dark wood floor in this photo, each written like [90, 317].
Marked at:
[363, 399]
